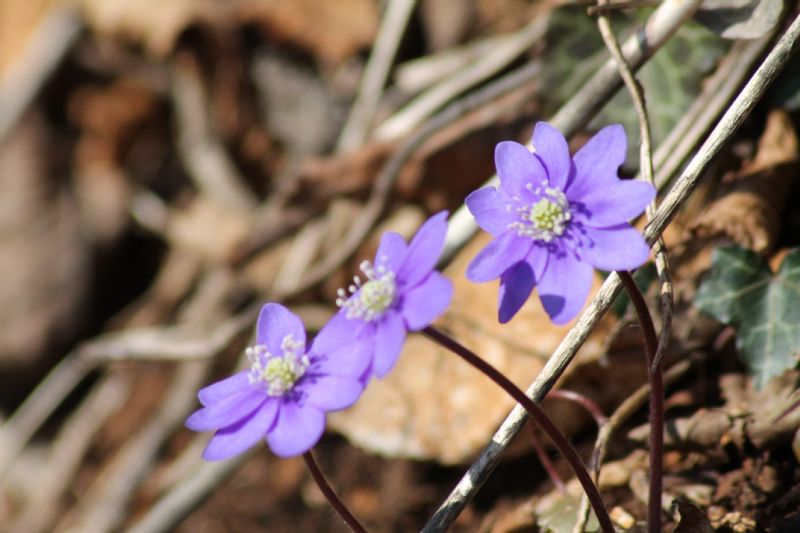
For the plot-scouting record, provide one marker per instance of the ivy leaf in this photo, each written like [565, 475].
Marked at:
[763, 307]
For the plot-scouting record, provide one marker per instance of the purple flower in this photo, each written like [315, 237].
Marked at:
[554, 217]
[402, 292]
[285, 394]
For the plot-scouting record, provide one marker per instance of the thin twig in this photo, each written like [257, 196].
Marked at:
[488, 459]
[393, 26]
[202, 153]
[422, 107]
[103, 505]
[67, 451]
[374, 206]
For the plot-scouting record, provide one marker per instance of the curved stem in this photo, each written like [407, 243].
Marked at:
[539, 416]
[331, 496]
[656, 401]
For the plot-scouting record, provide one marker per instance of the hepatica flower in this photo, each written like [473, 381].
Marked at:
[400, 292]
[555, 217]
[285, 394]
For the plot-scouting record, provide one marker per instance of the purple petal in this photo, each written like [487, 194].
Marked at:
[390, 334]
[297, 430]
[339, 331]
[275, 322]
[349, 360]
[222, 389]
[518, 170]
[331, 393]
[597, 162]
[617, 248]
[498, 256]
[392, 251]
[426, 301]
[241, 436]
[551, 147]
[515, 287]
[493, 210]
[227, 411]
[564, 286]
[424, 250]
[615, 204]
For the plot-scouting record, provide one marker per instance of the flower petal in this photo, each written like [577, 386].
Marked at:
[349, 360]
[551, 147]
[564, 286]
[389, 336]
[339, 331]
[493, 210]
[617, 248]
[518, 169]
[597, 162]
[515, 287]
[498, 256]
[423, 251]
[422, 304]
[331, 393]
[614, 204]
[275, 322]
[241, 436]
[222, 389]
[297, 429]
[391, 251]
[227, 411]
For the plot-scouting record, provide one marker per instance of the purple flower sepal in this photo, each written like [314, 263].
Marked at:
[555, 217]
[402, 292]
[285, 394]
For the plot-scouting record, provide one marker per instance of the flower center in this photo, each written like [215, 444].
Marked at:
[368, 301]
[277, 373]
[546, 219]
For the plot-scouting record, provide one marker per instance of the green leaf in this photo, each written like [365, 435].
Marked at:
[671, 79]
[763, 307]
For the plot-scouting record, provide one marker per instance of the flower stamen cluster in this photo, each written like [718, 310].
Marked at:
[545, 219]
[369, 300]
[277, 373]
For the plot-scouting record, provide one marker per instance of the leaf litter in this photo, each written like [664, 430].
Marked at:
[148, 263]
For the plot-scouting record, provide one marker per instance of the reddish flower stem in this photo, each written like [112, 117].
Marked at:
[539, 416]
[545, 460]
[656, 416]
[331, 496]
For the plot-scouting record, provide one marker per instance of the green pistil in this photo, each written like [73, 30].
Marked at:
[545, 220]
[367, 301]
[545, 215]
[278, 374]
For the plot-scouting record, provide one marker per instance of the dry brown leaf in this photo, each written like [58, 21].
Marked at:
[18, 20]
[332, 29]
[153, 24]
[435, 406]
[207, 229]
